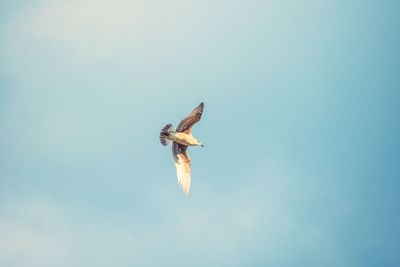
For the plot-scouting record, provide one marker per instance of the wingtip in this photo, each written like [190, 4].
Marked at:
[185, 186]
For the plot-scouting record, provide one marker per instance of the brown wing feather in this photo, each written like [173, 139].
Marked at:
[182, 163]
[187, 123]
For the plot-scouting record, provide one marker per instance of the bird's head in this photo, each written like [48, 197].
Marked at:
[199, 143]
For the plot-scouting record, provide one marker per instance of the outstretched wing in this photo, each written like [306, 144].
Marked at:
[187, 123]
[182, 163]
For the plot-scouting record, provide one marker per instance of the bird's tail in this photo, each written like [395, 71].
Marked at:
[165, 131]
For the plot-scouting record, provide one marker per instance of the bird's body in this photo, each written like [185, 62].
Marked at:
[182, 138]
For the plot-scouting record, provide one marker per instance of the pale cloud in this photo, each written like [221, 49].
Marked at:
[43, 233]
[94, 31]
[38, 233]
[34, 234]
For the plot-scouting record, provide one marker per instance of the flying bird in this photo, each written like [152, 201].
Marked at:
[181, 138]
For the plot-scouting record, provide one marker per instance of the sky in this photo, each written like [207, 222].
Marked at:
[301, 162]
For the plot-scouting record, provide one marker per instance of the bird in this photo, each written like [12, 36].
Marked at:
[181, 138]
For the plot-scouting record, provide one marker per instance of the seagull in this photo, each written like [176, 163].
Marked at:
[181, 138]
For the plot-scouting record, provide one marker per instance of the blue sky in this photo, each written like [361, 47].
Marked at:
[300, 166]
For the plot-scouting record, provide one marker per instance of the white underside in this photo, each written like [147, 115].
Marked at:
[182, 138]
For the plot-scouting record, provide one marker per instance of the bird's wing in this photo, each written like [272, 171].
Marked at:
[186, 124]
[182, 163]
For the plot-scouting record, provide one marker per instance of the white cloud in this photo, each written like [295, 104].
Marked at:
[37, 233]
[91, 31]
[32, 234]
[43, 233]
